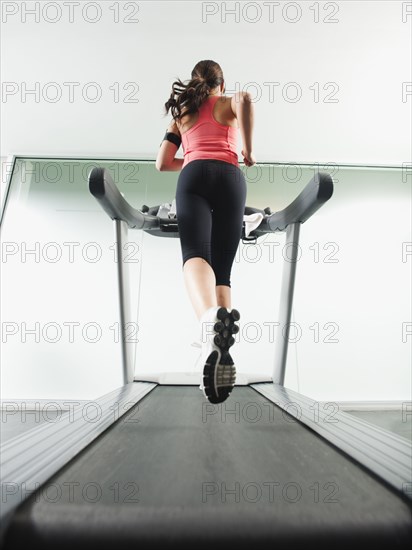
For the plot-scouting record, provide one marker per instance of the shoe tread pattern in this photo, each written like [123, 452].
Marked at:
[219, 379]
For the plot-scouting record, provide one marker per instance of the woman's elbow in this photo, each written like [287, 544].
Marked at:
[159, 166]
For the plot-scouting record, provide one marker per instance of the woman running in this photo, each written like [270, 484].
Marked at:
[210, 204]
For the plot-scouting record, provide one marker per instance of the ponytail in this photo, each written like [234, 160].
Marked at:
[187, 96]
[206, 75]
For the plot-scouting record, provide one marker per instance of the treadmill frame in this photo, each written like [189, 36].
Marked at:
[33, 458]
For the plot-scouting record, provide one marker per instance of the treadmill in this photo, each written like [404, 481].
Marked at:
[164, 468]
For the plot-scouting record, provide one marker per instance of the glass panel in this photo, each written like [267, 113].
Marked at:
[59, 291]
[351, 313]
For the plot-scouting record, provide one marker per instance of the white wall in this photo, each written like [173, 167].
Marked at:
[356, 53]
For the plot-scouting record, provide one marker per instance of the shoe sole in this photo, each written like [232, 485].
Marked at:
[219, 377]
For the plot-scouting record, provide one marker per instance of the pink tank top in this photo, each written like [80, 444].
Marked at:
[209, 139]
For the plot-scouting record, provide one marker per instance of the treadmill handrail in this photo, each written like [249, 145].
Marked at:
[318, 191]
[312, 197]
[103, 188]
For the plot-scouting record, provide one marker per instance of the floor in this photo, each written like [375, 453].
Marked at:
[16, 423]
[393, 421]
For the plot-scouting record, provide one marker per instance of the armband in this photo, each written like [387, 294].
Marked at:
[173, 138]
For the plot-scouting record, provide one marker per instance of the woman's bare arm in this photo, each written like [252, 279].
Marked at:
[166, 160]
[243, 109]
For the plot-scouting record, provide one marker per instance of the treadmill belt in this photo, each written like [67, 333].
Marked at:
[176, 471]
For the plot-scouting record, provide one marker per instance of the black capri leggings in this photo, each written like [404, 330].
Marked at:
[210, 204]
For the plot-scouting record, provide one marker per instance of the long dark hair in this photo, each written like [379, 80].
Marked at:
[206, 75]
